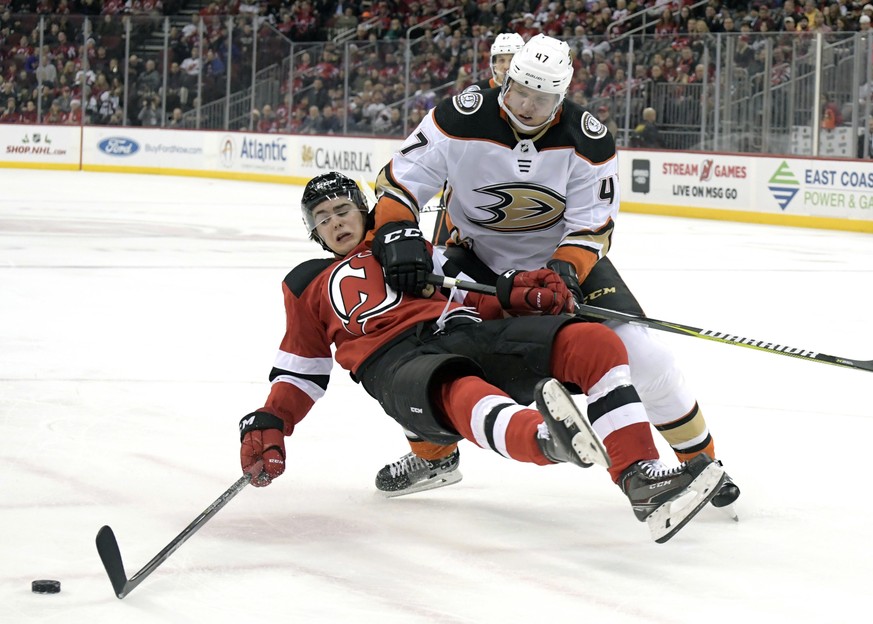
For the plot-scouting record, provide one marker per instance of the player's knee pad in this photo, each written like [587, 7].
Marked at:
[583, 353]
[407, 396]
[655, 373]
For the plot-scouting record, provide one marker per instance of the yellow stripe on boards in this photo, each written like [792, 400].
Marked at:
[821, 223]
[48, 166]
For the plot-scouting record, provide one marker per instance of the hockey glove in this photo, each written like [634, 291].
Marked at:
[401, 250]
[262, 450]
[533, 292]
[567, 272]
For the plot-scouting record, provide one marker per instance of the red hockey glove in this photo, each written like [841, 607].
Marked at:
[262, 450]
[567, 272]
[533, 292]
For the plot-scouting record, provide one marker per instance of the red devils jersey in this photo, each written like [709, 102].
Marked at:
[345, 303]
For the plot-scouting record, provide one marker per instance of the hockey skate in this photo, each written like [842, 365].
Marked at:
[726, 495]
[411, 474]
[667, 498]
[567, 435]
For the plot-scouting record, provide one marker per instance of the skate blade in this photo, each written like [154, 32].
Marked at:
[667, 519]
[587, 444]
[449, 478]
[730, 511]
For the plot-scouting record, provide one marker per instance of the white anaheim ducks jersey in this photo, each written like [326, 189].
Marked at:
[515, 200]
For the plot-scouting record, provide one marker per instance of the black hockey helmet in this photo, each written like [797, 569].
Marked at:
[326, 187]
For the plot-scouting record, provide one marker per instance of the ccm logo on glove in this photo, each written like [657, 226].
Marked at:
[391, 237]
[402, 251]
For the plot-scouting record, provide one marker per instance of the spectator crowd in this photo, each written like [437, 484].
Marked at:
[58, 67]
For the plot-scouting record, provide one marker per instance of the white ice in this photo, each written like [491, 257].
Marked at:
[139, 318]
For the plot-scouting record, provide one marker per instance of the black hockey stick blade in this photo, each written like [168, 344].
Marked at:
[451, 282]
[107, 545]
[589, 311]
[723, 337]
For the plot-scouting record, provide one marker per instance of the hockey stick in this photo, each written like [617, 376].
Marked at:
[674, 328]
[107, 545]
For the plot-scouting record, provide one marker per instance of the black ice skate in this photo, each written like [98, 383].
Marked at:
[411, 474]
[567, 436]
[667, 498]
[726, 495]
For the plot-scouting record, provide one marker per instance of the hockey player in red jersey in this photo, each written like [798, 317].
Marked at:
[532, 182]
[445, 374]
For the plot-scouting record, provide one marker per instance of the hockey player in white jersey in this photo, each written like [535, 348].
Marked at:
[503, 49]
[533, 182]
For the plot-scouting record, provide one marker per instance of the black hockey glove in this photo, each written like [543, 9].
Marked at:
[567, 273]
[401, 250]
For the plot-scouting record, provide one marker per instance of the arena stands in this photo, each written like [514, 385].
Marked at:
[726, 75]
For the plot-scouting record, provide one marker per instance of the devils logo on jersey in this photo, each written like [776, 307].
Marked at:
[521, 207]
[356, 299]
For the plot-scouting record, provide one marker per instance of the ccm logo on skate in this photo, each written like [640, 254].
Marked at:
[416, 410]
[660, 485]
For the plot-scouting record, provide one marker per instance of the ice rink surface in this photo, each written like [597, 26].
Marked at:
[139, 318]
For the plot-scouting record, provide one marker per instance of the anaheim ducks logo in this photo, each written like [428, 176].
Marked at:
[521, 208]
[355, 298]
[591, 126]
[467, 102]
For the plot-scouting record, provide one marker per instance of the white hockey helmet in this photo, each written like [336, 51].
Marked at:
[543, 64]
[504, 43]
[507, 43]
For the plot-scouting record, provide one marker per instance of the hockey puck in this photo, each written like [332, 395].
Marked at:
[46, 587]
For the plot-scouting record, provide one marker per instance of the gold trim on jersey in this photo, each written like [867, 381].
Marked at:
[534, 138]
[386, 184]
[597, 241]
